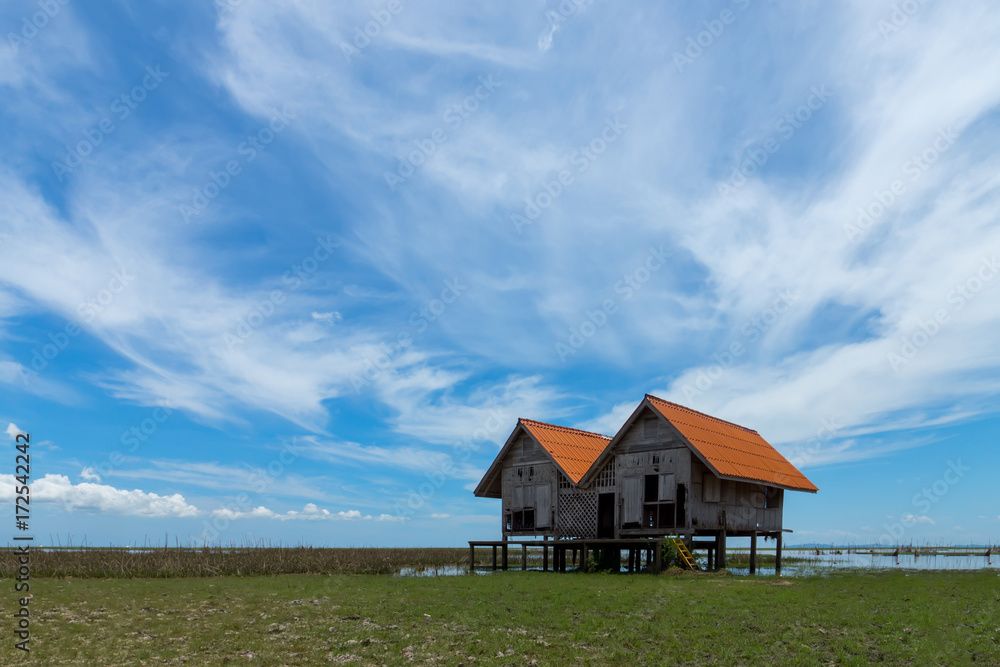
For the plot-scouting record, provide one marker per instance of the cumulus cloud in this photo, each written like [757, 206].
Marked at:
[13, 431]
[100, 498]
[88, 474]
[310, 512]
[913, 518]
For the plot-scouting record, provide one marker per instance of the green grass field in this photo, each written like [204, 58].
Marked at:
[515, 618]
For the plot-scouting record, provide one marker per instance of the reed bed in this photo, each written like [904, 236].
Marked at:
[240, 561]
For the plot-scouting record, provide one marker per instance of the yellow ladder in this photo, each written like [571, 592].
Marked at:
[685, 553]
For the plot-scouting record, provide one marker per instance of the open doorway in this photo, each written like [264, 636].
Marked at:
[606, 516]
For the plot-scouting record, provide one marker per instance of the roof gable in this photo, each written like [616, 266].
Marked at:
[731, 450]
[571, 450]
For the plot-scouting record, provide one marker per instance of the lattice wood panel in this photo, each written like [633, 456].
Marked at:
[577, 514]
[606, 478]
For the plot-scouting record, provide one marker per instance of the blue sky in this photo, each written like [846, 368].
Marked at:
[293, 274]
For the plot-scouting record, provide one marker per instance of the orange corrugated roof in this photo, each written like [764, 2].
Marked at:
[732, 449]
[573, 450]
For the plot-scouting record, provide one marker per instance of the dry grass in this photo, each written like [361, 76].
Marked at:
[156, 563]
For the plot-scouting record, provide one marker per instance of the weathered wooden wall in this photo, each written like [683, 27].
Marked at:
[527, 466]
[740, 506]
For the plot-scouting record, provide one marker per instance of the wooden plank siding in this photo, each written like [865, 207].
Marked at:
[525, 468]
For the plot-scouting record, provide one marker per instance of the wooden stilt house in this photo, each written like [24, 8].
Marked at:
[669, 470]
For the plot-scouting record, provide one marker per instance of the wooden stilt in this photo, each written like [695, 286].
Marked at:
[584, 557]
[720, 557]
[494, 556]
[753, 553]
[472, 559]
[777, 553]
[503, 556]
[658, 557]
[545, 558]
[524, 556]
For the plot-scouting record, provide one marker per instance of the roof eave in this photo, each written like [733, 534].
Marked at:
[737, 478]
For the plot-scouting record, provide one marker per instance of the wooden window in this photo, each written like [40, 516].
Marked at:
[658, 508]
[631, 500]
[651, 488]
[668, 489]
[772, 498]
[710, 488]
[531, 507]
[649, 427]
[543, 505]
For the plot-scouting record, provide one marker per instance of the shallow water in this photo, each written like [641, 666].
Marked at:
[804, 564]
[795, 564]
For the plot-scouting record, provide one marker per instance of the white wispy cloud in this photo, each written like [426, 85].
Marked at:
[58, 490]
[308, 513]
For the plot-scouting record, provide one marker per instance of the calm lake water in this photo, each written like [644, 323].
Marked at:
[805, 563]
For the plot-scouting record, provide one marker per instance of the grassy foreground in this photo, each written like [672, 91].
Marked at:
[515, 618]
